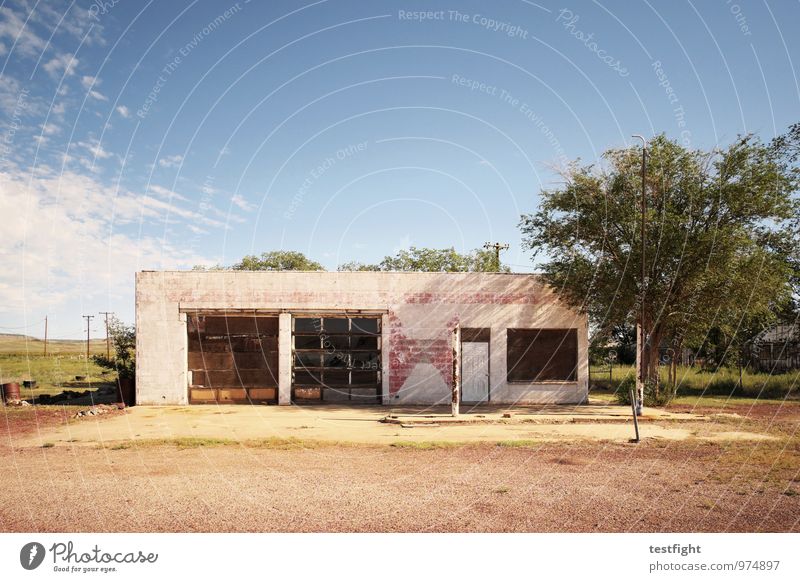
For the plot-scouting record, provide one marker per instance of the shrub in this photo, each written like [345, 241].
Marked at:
[623, 392]
[123, 337]
[665, 392]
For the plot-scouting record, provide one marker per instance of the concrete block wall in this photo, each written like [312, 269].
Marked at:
[418, 310]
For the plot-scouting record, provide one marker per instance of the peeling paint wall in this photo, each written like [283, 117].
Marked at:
[419, 311]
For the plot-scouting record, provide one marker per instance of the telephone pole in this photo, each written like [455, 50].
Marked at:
[88, 320]
[108, 338]
[45, 335]
[497, 248]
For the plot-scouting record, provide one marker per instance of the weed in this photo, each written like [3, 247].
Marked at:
[522, 443]
[426, 445]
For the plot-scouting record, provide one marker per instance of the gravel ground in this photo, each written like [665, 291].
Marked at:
[569, 486]
[549, 488]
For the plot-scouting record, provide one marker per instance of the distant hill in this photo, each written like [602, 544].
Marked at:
[14, 343]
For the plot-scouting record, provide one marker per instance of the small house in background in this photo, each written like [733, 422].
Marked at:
[776, 349]
[355, 337]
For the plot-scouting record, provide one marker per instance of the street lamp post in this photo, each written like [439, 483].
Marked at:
[641, 332]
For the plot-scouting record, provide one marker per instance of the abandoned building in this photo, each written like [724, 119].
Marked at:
[355, 337]
[775, 350]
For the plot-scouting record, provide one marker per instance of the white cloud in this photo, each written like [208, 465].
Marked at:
[166, 193]
[16, 32]
[61, 64]
[89, 83]
[170, 161]
[239, 201]
[50, 129]
[95, 149]
[16, 99]
[123, 111]
[69, 241]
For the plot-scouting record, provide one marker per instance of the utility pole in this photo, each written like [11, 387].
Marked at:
[108, 338]
[88, 320]
[45, 335]
[641, 331]
[497, 248]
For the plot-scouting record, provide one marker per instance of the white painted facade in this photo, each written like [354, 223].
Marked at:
[416, 310]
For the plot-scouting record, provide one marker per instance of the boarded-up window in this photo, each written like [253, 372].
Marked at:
[232, 358]
[542, 355]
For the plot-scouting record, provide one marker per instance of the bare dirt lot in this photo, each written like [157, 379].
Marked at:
[203, 484]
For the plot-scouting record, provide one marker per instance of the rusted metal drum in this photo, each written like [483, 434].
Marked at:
[10, 391]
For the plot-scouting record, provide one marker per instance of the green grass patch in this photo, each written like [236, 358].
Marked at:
[695, 383]
[53, 374]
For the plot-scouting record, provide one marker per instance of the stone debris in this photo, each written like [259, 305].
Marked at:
[17, 403]
[99, 409]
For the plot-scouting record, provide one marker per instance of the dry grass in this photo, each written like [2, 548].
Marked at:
[274, 443]
[695, 383]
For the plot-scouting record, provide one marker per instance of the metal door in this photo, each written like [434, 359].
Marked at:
[474, 371]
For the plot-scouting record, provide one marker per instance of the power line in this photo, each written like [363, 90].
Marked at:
[37, 322]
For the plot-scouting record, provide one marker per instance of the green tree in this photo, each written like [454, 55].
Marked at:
[432, 260]
[123, 339]
[787, 147]
[269, 261]
[358, 266]
[716, 247]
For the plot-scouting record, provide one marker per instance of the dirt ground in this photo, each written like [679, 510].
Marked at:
[361, 424]
[575, 485]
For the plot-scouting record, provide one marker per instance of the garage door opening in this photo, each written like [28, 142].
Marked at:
[233, 359]
[336, 359]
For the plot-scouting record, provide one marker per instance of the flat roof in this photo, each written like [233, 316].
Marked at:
[336, 272]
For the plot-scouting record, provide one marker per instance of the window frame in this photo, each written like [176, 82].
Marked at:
[536, 378]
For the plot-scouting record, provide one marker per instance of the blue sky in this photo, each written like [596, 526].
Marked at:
[161, 135]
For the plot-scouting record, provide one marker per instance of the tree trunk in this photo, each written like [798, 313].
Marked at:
[651, 360]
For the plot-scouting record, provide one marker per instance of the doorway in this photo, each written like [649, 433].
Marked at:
[474, 365]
